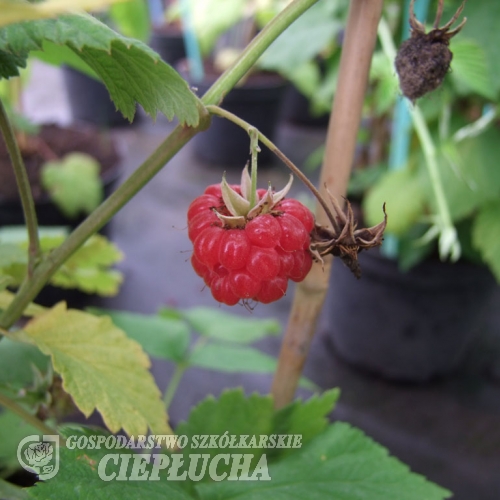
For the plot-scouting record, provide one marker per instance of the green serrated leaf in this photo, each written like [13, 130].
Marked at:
[10, 63]
[131, 71]
[12, 429]
[232, 359]
[308, 418]
[255, 416]
[59, 55]
[160, 337]
[340, 463]
[250, 416]
[404, 195]
[469, 69]
[74, 183]
[101, 368]
[220, 325]
[16, 359]
[486, 236]
[482, 27]
[11, 491]
[78, 477]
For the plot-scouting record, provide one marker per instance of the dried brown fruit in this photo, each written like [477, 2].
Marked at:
[345, 240]
[424, 59]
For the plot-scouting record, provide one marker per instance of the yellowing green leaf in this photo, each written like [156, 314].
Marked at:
[87, 269]
[74, 183]
[14, 11]
[101, 368]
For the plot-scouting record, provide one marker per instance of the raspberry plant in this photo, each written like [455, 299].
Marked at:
[247, 243]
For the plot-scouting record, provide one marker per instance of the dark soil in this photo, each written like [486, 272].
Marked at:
[51, 143]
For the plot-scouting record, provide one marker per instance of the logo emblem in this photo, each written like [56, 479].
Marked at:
[40, 456]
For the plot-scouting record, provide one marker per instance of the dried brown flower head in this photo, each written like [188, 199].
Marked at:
[424, 59]
[345, 241]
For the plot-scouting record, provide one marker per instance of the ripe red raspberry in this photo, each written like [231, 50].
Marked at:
[249, 253]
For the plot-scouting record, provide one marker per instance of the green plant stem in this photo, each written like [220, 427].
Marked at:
[24, 188]
[449, 244]
[171, 389]
[14, 407]
[167, 149]
[254, 151]
[216, 110]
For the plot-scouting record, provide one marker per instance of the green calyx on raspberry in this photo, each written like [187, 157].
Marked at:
[239, 204]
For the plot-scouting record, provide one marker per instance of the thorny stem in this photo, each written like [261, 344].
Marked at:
[16, 408]
[357, 51]
[145, 172]
[24, 189]
[254, 151]
[216, 110]
[448, 241]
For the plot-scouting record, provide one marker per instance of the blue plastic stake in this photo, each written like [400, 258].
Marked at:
[402, 125]
[196, 71]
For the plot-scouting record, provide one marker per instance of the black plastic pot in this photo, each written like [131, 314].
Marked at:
[11, 214]
[410, 326]
[169, 43]
[48, 214]
[89, 100]
[297, 110]
[258, 102]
